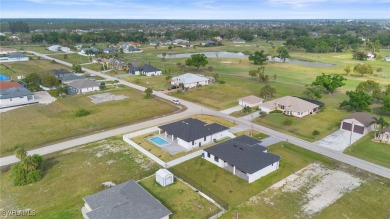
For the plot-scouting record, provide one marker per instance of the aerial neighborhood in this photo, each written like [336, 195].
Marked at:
[121, 118]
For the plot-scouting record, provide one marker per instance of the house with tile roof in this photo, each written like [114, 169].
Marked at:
[250, 101]
[289, 105]
[126, 200]
[244, 157]
[8, 84]
[192, 133]
[190, 80]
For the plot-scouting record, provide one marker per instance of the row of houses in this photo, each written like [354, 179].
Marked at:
[77, 84]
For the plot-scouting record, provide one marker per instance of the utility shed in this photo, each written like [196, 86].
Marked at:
[164, 177]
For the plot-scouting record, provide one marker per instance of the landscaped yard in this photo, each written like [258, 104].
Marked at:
[36, 125]
[235, 190]
[371, 151]
[32, 66]
[180, 199]
[70, 175]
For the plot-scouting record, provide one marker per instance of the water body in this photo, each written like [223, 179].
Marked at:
[240, 55]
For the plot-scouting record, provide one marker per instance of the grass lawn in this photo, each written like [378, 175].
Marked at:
[93, 66]
[154, 82]
[73, 58]
[366, 149]
[70, 175]
[235, 190]
[180, 199]
[252, 133]
[32, 66]
[38, 124]
[241, 113]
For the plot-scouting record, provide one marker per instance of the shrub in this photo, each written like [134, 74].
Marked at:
[288, 122]
[246, 109]
[221, 82]
[82, 112]
[315, 133]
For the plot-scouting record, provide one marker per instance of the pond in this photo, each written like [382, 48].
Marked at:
[239, 55]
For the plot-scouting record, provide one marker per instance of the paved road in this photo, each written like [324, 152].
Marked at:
[196, 109]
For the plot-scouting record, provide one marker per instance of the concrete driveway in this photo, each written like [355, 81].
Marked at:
[339, 140]
[231, 110]
[43, 97]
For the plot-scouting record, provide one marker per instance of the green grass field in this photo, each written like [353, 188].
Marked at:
[73, 58]
[371, 151]
[70, 175]
[36, 125]
[235, 190]
[182, 201]
[32, 66]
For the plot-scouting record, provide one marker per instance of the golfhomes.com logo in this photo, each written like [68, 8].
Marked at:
[24, 212]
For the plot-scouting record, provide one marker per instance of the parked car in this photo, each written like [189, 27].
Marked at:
[176, 101]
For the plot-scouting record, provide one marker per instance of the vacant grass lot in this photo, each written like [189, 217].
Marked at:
[32, 66]
[180, 199]
[371, 151]
[156, 82]
[235, 190]
[70, 175]
[73, 58]
[93, 66]
[253, 134]
[38, 124]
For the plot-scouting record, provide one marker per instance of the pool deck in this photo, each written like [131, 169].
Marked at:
[173, 148]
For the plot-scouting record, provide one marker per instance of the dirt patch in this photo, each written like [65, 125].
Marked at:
[226, 62]
[105, 97]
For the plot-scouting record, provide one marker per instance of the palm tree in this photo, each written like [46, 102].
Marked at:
[381, 123]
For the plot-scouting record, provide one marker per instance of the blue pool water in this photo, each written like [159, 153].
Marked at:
[158, 141]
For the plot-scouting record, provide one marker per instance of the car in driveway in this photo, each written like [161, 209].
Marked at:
[176, 101]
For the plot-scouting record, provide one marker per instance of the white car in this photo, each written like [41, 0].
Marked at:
[176, 101]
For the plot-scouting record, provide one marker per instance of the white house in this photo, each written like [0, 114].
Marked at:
[384, 136]
[370, 56]
[238, 41]
[387, 58]
[15, 96]
[147, 70]
[243, 157]
[65, 49]
[190, 80]
[289, 105]
[14, 57]
[126, 200]
[54, 48]
[164, 177]
[84, 86]
[192, 133]
[84, 52]
[359, 122]
[250, 101]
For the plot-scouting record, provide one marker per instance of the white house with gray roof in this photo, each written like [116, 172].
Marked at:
[83, 86]
[123, 201]
[289, 105]
[244, 157]
[192, 133]
[190, 80]
[14, 57]
[15, 96]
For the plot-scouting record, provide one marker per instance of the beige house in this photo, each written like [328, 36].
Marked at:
[251, 101]
[289, 105]
[385, 135]
[359, 122]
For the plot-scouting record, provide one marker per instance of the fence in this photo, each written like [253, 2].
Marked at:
[201, 188]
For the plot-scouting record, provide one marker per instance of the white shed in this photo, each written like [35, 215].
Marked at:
[164, 177]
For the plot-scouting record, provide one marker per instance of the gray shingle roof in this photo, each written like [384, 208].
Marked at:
[365, 118]
[192, 129]
[80, 84]
[126, 200]
[149, 68]
[14, 92]
[245, 153]
[70, 77]
[16, 55]
[57, 72]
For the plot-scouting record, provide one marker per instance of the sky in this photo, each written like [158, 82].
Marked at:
[197, 9]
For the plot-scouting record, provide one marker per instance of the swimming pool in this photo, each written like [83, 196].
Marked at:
[158, 141]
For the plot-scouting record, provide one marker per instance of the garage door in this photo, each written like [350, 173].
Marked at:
[347, 126]
[358, 129]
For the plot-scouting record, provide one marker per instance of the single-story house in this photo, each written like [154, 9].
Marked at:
[289, 105]
[54, 48]
[8, 84]
[250, 101]
[209, 43]
[164, 177]
[130, 49]
[387, 58]
[117, 63]
[180, 41]
[15, 96]
[155, 43]
[60, 72]
[110, 50]
[244, 157]
[359, 122]
[84, 52]
[14, 57]
[69, 78]
[126, 200]
[384, 136]
[192, 133]
[146, 69]
[83, 86]
[239, 41]
[190, 80]
[65, 49]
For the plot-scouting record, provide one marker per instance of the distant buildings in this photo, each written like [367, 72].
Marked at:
[57, 48]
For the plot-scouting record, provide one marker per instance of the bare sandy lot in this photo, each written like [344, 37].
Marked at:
[105, 97]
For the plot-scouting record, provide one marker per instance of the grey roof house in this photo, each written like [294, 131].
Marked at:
[244, 157]
[146, 69]
[191, 133]
[68, 78]
[126, 200]
[15, 96]
[60, 72]
[359, 122]
[83, 86]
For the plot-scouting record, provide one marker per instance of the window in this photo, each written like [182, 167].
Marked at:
[216, 159]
